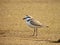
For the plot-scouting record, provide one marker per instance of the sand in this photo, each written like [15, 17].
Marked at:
[13, 29]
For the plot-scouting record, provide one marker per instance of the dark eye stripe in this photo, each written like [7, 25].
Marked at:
[28, 17]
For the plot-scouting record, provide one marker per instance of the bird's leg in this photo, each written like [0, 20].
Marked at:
[36, 31]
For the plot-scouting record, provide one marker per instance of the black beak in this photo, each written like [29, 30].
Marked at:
[24, 18]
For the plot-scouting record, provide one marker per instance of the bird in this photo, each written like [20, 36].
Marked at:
[33, 23]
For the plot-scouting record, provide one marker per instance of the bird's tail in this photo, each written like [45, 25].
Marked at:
[45, 26]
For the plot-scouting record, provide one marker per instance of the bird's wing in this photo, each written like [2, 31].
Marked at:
[35, 22]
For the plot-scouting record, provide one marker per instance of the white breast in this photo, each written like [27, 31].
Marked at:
[29, 24]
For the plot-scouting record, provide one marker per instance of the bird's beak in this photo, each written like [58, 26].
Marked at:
[24, 18]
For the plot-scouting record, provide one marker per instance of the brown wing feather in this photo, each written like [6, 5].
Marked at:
[34, 22]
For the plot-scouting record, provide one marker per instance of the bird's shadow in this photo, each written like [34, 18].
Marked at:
[27, 36]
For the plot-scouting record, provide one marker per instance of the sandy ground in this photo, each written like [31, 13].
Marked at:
[14, 31]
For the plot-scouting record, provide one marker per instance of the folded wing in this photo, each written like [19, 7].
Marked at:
[35, 23]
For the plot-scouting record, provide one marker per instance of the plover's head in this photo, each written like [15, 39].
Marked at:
[27, 17]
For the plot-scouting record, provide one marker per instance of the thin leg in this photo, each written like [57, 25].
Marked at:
[36, 31]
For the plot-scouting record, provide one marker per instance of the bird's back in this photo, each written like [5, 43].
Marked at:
[34, 23]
